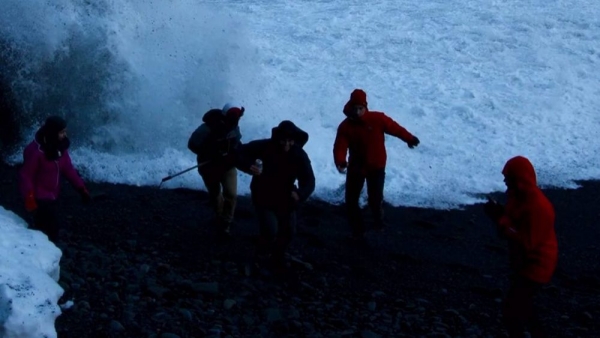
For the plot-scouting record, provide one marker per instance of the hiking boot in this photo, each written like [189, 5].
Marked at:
[223, 234]
[379, 225]
[222, 237]
[223, 226]
[227, 225]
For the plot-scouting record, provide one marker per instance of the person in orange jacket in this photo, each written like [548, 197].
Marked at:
[527, 223]
[362, 133]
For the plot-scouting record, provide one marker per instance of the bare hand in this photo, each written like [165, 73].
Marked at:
[493, 209]
[295, 196]
[255, 170]
[340, 169]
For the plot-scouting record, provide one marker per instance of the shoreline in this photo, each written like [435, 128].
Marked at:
[574, 185]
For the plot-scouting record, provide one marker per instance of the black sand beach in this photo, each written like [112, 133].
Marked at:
[143, 262]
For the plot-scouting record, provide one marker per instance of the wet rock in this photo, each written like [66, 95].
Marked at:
[228, 303]
[377, 294]
[586, 318]
[248, 320]
[83, 306]
[208, 288]
[186, 314]
[144, 268]
[273, 314]
[369, 334]
[169, 335]
[113, 298]
[116, 326]
[425, 224]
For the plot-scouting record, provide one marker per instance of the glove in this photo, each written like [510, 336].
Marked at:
[30, 204]
[493, 210]
[414, 142]
[85, 195]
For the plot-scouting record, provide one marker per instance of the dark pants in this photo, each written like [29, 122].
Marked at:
[276, 230]
[518, 310]
[354, 185]
[46, 219]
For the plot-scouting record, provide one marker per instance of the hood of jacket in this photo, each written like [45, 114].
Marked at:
[47, 138]
[521, 170]
[213, 117]
[287, 129]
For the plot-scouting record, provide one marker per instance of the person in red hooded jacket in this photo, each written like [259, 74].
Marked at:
[527, 223]
[362, 133]
[45, 159]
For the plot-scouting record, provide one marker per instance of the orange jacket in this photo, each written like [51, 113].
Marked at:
[365, 138]
[528, 223]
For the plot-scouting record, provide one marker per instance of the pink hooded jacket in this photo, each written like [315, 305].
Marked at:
[42, 176]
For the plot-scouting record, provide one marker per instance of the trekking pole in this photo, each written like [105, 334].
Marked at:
[181, 173]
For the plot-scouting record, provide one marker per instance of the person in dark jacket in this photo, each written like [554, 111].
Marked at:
[215, 142]
[274, 193]
[527, 223]
[362, 133]
[45, 160]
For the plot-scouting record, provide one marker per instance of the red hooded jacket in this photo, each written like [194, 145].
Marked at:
[528, 223]
[365, 138]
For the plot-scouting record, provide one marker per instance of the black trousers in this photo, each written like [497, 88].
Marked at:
[276, 231]
[355, 182]
[46, 219]
[518, 311]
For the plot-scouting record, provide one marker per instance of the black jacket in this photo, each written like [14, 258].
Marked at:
[213, 141]
[273, 187]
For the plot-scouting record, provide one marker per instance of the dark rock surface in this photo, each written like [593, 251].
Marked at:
[143, 262]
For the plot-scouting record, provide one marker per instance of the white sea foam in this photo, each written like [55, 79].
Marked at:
[477, 81]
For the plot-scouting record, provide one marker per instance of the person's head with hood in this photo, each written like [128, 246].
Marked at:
[232, 115]
[357, 105]
[519, 176]
[287, 134]
[52, 137]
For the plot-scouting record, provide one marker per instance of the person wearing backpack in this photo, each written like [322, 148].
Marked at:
[214, 142]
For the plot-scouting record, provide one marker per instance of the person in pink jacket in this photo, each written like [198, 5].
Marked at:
[45, 160]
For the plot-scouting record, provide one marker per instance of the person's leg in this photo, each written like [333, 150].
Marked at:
[354, 185]
[375, 184]
[517, 309]
[268, 227]
[285, 235]
[46, 219]
[229, 182]
[212, 183]
[534, 325]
